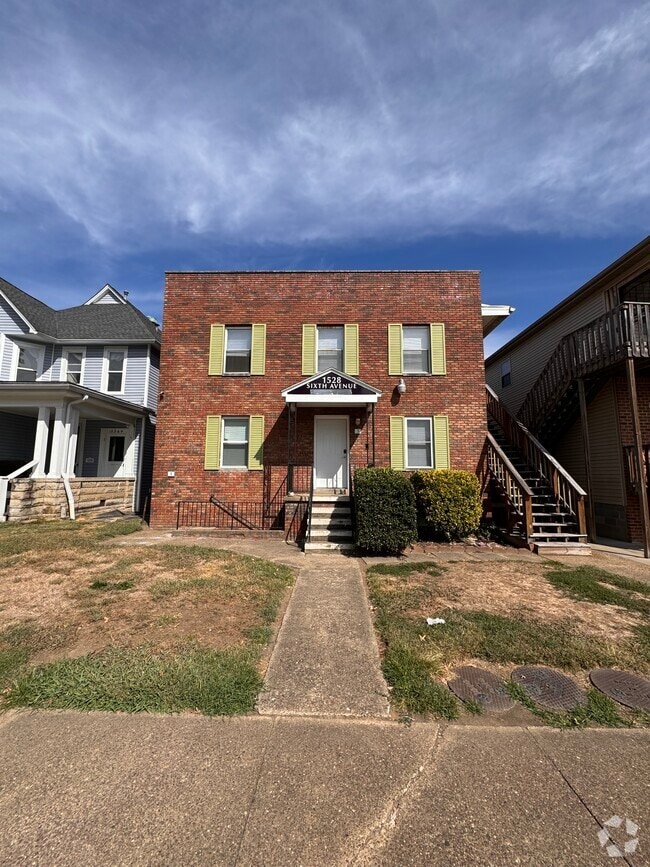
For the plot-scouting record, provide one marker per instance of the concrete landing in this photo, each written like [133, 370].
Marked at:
[326, 661]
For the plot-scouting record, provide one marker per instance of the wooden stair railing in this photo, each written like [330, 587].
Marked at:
[620, 333]
[495, 465]
[566, 490]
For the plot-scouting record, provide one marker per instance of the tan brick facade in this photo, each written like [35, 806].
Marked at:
[284, 302]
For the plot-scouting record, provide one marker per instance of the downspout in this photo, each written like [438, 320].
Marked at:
[65, 475]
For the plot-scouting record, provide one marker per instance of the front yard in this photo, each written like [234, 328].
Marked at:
[498, 615]
[85, 623]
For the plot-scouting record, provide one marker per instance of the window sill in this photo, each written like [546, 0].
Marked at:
[237, 374]
[233, 469]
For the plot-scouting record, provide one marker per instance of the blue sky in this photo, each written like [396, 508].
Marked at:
[500, 135]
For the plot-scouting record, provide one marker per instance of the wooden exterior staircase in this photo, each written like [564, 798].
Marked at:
[545, 506]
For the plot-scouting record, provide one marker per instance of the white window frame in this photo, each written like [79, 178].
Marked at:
[506, 371]
[429, 421]
[318, 331]
[78, 350]
[427, 328]
[245, 442]
[34, 347]
[108, 349]
[225, 354]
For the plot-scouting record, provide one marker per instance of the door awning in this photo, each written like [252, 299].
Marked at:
[331, 388]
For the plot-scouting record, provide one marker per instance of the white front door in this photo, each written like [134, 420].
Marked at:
[331, 451]
[116, 452]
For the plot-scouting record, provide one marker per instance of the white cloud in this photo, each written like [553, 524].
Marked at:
[260, 122]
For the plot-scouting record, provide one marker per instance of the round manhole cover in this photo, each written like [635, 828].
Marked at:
[623, 686]
[549, 688]
[476, 684]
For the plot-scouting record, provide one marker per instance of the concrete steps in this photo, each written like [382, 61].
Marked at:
[331, 524]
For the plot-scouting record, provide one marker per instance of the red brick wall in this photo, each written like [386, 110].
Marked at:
[284, 301]
[633, 507]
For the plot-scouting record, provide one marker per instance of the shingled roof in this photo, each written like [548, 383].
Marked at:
[85, 322]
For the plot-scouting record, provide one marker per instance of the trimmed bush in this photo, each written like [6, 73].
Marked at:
[448, 502]
[386, 518]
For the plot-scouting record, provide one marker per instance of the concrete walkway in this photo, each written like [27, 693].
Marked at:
[113, 789]
[326, 661]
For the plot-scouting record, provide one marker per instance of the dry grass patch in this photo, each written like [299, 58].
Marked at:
[97, 597]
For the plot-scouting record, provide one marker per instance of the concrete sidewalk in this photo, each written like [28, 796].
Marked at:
[326, 661]
[113, 789]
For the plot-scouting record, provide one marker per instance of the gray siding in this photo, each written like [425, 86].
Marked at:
[527, 360]
[10, 321]
[93, 367]
[91, 446]
[154, 380]
[136, 371]
[17, 433]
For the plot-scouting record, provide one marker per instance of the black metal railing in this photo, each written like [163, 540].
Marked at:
[220, 515]
[297, 529]
[310, 506]
[353, 517]
[299, 478]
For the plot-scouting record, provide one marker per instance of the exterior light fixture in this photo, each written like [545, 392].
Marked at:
[401, 386]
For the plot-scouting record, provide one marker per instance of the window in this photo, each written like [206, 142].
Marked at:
[115, 364]
[72, 365]
[416, 346]
[506, 378]
[30, 359]
[116, 449]
[238, 350]
[418, 443]
[235, 443]
[330, 347]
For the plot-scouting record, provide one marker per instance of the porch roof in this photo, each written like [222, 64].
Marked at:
[26, 396]
[331, 388]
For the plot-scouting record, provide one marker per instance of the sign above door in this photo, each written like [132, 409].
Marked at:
[331, 387]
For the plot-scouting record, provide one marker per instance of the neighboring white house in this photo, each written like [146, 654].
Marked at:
[78, 397]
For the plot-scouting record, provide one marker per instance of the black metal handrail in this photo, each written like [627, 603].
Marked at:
[310, 504]
[353, 519]
[231, 509]
[224, 516]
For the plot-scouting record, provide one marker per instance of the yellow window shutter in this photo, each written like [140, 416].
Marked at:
[397, 442]
[212, 442]
[217, 339]
[438, 356]
[441, 442]
[255, 442]
[258, 349]
[395, 350]
[309, 337]
[351, 349]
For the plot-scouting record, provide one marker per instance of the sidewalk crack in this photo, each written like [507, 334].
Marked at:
[573, 789]
[379, 833]
[254, 793]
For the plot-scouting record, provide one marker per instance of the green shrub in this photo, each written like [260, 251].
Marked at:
[386, 518]
[448, 502]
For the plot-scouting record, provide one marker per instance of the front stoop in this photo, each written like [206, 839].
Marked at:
[331, 524]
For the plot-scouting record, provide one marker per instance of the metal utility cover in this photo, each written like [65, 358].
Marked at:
[623, 686]
[549, 688]
[477, 684]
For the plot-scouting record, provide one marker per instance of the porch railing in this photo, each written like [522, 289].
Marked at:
[566, 490]
[623, 332]
[310, 506]
[226, 516]
[495, 465]
[4, 486]
[299, 478]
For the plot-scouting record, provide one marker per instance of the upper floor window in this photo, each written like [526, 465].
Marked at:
[30, 363]
[115, 365]
[506, 377]
[330, 347]
[416, 348]
[72, 366]
[238, 349]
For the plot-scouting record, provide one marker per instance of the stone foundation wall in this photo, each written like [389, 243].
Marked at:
[45, 499]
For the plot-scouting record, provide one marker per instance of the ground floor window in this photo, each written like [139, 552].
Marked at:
[418, 443]
[234, 446]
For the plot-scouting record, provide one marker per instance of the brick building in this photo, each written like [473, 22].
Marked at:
[275, 383]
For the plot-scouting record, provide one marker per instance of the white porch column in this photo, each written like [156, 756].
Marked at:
[73, 434]
[59, 440]
[40, 440]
